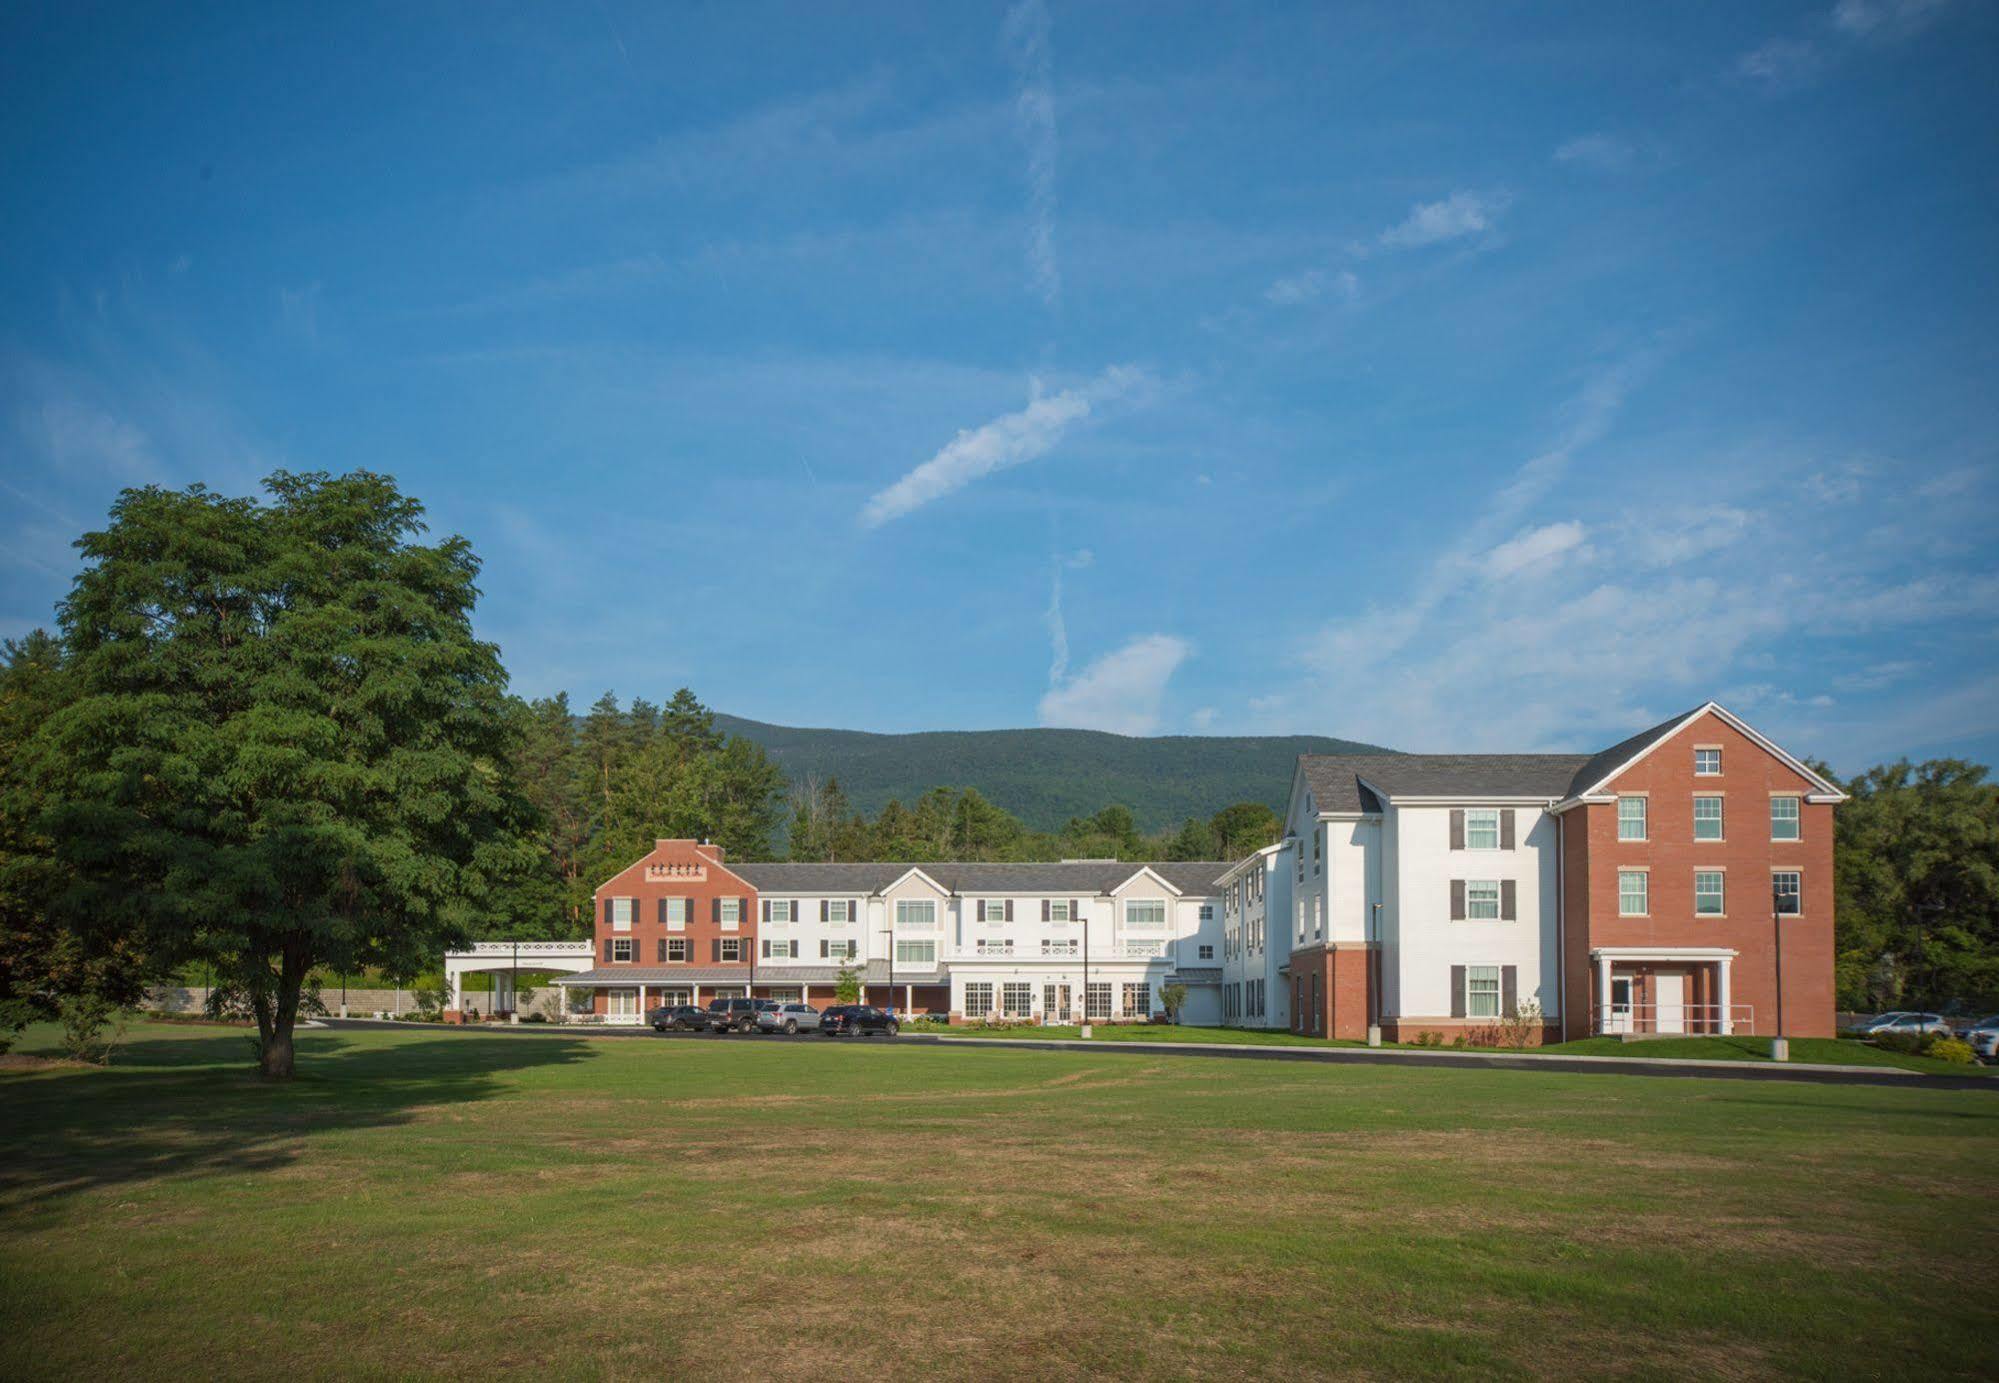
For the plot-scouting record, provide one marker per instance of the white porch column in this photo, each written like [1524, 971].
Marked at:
[1727, 1012]
[642, 1003]
[908, 999]
[457, 992]
[1602, 994]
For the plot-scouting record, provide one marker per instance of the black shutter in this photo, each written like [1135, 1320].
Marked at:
[715, 910]
[979, 913]
[1457, 828]
[1506, 829]
[1507, 993]
[662, 950]
[824, 952]
[1009, 909]
[824, 905]
[715, 949]
[607, 950]
[766, 948]
[1045, 905]
[607, 912]
[1506, 900]
[1457, 900]
[662, 912]
[1457, 991]
[743, 912]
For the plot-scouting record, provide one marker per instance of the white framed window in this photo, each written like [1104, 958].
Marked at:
[676, 914]
[1062, 946]
[1783, 818]
[1137, 999]
[1016, 1000]
[731, 913]
[1787, 892]
[1482, 900]
[1633, 892]
[729, 948]
[621, 948]
[1707, 761]
[776, 949]
[978, 999]
[839, 910]
[1207, 912]
[1058, 910]
[1145, 912]
[915, 912]
[1096, 1000]
[1707, 818]
[1482, 991]
[841, 948]
[1207, 953]
[676, 949]
[1710, 893]
[1631, 818]
[621, 913]
[1482, 828]
[915, 953]
[782, 910]
[623, 1003]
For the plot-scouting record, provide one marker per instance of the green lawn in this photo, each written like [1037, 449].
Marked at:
[422, 1202]
[1836, 1051]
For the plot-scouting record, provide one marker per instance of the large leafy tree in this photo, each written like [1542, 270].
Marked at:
[1917, 865]
[282, 745]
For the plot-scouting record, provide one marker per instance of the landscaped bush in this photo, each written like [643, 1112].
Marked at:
[1949, 1049]
[1907, 1043]
[1426, 1039]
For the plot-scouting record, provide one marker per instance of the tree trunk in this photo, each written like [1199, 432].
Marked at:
[275, 1063]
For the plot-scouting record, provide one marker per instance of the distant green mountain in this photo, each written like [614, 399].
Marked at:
[1047, 776]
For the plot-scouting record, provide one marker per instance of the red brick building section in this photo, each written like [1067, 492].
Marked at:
[1333, 988]
[1750, 774]
[685, 876]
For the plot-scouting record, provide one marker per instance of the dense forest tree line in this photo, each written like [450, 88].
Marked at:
[265, 740]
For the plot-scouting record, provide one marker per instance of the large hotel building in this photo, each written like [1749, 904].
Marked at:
[1648, 888]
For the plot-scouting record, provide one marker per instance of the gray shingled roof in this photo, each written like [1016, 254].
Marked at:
[1594, 769]
[1078, 879]
[1335, 779]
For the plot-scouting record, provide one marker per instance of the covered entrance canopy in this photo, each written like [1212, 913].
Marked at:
[1666, 991]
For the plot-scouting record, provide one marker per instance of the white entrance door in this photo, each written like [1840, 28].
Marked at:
[624, 1005]
[1669, 1001]
[1619, 1017]
[1055, 1003]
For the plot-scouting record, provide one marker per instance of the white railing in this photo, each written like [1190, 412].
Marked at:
[1139, 950]
[995, 948]
[1060, 948]
[570, 949]
[1672, 1020]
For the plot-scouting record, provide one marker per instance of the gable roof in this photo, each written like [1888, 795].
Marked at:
[1601, 768]
[1078, 877]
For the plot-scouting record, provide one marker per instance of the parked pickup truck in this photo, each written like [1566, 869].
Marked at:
[737, 1015]
[788, 1018]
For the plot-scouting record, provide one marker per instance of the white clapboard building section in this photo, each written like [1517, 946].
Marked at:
[1042, 942]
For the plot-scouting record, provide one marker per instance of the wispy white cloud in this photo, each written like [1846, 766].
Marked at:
[74, 433]
[1458, 215]
[1601, 153]
[1058, 628]
[1027, 38]
[1782, 63]
[1536, 549]
[1866, 18]
[1313, 283]
[1006, 441]
[1120, 692]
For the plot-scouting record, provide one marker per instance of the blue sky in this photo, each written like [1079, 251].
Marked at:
[1453, 377]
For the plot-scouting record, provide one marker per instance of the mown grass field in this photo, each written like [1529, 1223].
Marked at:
[422, 1202]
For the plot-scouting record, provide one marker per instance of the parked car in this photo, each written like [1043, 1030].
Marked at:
[1983, 1036]
[682, 1017]
[787, 1018]
[857, 1020]
[1907, 1022]
[737, 1015]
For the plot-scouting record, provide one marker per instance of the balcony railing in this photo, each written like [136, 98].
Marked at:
[1673, 1020]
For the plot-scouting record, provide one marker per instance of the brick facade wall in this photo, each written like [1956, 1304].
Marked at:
[1746, 855]
[676, 869]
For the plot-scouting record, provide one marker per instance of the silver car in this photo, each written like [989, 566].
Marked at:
[788, 1018]
[1984, 1038]
[1907, 1022]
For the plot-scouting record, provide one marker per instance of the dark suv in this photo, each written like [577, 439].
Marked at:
[685, 1017]
[737, 1015]
[857, 1020]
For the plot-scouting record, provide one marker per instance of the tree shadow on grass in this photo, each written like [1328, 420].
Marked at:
[187, 1107]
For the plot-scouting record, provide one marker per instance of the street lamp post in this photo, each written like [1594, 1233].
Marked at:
[1780, 1049]
[514, 986]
